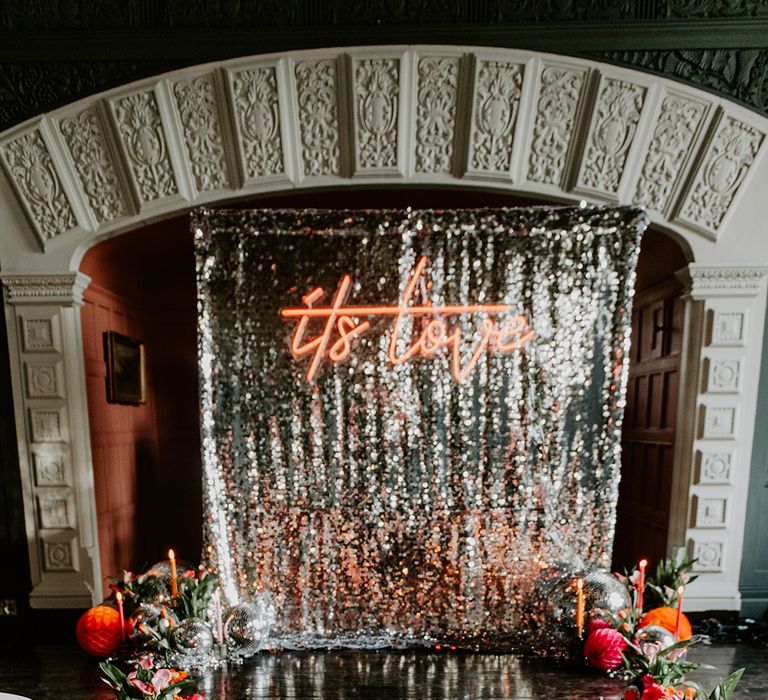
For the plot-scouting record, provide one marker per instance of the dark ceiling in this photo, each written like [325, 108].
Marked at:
[53, 52]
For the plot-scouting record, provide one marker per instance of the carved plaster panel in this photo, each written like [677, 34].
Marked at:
[715, 468]
[727, 328]
[55, 509]
[723, 376]
[146, 146]
[44, 380]
[708, 555]
[47, 425]
[496, 104]
[611, 133]
[32, 171]
[41, 334]
[719, 422]
[677, 124]
[710, 511]
[84, 136]
[377, 103]
[258, 119]
[317, 95]
[723, 169]
[201, 128]
[58, 553]
[556, 106]
[50, 468]
[436, 113]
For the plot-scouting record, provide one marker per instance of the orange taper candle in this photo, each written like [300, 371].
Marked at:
[580, 607]
[174, 584]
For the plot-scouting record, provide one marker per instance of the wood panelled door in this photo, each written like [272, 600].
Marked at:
[650, 419]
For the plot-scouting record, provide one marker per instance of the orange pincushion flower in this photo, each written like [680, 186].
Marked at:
[667, 618]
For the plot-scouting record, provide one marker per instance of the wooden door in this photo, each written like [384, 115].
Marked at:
[648, 435]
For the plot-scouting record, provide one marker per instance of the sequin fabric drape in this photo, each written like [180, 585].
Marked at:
[387, 503]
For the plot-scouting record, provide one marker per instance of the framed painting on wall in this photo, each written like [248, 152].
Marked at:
[125, 369]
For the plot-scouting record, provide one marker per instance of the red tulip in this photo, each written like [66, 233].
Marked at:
[603, 648]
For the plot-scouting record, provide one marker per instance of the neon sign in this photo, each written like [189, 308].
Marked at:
[342, 326]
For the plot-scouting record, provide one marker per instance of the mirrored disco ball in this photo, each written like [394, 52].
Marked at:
[247, 627]
[192, 636]
[155, 589]
[604, 594]
[148, 616]
[653, 634]
[162, 571]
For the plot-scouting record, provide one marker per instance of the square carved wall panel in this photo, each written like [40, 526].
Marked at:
[55, 509]
[41, 334]
[47, 425]
[719, 422]
[723, 376]
[728, 328]
[50, 469]
[44, 380]
[709, 511]
[714, 467]
[710, 555]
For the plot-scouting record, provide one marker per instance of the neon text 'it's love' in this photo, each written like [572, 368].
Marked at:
[499, 331]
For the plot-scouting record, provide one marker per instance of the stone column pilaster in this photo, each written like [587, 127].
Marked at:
[724, 321]
[51, 410]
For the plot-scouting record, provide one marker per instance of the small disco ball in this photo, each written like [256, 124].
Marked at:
[148, 616]
[155, 589]
[604, 593]
[192, 636]
[162, 571]
[247, 627]
[654, 634]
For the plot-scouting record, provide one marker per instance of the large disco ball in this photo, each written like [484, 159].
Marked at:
[247, 627]
[604, 595]
[654, 634]
[192, 636]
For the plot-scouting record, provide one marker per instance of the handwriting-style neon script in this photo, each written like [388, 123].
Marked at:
[342, 326]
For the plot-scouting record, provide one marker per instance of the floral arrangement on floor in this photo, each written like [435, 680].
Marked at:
[156, 627]
[146, 681]
[650, 644]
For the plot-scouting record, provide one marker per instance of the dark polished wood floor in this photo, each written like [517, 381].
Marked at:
[63, 672]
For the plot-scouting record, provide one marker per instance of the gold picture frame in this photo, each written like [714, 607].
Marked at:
[126, 381]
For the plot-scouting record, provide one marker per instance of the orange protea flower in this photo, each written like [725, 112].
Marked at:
[666, 618]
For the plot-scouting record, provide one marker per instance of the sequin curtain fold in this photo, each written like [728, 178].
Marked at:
[389, 504]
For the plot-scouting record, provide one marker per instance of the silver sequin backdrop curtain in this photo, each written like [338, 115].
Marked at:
[382, 500]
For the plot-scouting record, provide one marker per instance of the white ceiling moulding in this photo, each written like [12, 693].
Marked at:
[553, 127]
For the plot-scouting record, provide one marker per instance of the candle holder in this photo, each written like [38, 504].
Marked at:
[220, 651]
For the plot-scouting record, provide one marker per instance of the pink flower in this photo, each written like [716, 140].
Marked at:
[127, 576]
[650, 650]
[145, 662]
[141, 685]
[189, 573]
[162, 679]
[634, 579]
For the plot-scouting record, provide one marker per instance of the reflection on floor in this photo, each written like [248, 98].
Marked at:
[63, 672]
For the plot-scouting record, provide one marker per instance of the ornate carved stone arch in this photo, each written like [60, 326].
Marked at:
[550, 126]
